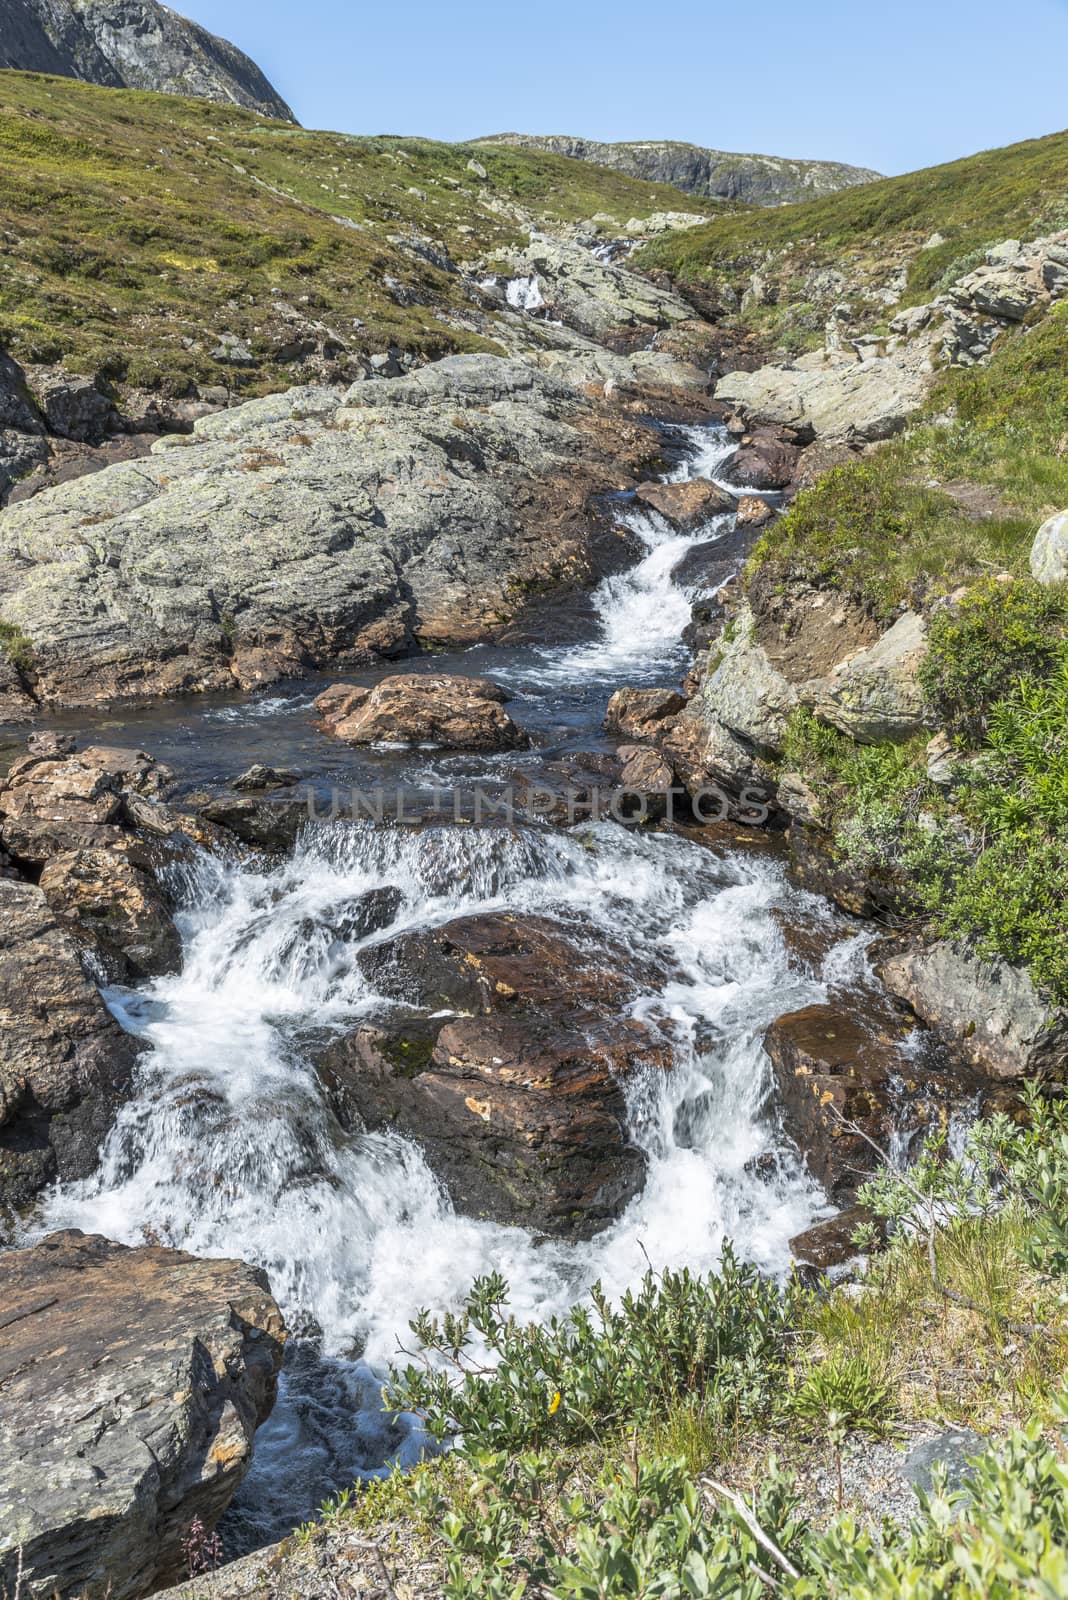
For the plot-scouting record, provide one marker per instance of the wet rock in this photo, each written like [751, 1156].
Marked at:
[988, 1011]
[422, 708]
[131, 1385]
[259, 777]
[646, 777]
[65, 1064]
[1049, 552]
[815, 865]
[517, 1097]
[832, 1070]
[686, 505]
[829, 1244]
[113, 907]
[765, 461]
[271, 825]
[639, 712]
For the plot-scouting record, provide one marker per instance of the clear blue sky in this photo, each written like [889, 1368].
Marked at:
[891, 86]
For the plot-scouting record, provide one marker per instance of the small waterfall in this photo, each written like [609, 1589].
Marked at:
[524, 294]
[641, 613]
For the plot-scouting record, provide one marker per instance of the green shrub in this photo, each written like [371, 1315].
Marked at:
[848, 1385]
[600, 1369]
[980, 650]
[16, 647]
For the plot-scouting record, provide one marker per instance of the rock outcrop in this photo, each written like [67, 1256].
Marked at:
[131, 1385]
[314, 527]
[591, 296]
[421, 708]
[65, 1064]
[757, 180]
[132, 44]
[509, 1068]
[988, 1012]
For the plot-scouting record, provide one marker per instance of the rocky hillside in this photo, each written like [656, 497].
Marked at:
[132, 44]
[863, 253]
[713, 174]
[166, 243]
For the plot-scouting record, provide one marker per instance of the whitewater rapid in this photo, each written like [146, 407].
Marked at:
[230, 1148]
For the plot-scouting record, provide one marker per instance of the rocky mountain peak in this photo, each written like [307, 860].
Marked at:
[132, 44]
[714, 174]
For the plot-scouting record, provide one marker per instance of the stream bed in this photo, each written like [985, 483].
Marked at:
[230, 1148]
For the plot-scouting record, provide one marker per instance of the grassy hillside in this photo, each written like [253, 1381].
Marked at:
[137, 228]
[867, 234]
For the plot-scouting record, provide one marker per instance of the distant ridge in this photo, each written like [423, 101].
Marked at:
[713, 174]
[133, 44]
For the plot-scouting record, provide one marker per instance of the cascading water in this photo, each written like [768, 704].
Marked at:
[230, 1148]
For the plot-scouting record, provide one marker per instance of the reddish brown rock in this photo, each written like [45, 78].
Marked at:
[65, 1064]
[422, 708]
[131, 1385]
[112, 905]
[754, 512]
[519, 1103]
[639, 713]
[764, 461]
[829, 1244]
[686, 505]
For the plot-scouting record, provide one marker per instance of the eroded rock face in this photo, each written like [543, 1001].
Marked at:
[65, 1064]
[988, 1011]
[875, 695]
[132, 44]
[637, 712]
[517, 1096]
[131, 1385]
[313, 527]
[592, 296]
[422, 708]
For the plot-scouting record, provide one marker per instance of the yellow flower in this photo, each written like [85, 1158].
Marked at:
[554, 1403]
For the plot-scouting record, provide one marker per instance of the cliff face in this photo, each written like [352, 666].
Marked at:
[132, 44]
[716, 174]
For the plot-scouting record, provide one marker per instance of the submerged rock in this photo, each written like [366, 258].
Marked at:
[131, 1385]
[422, 708]
[517, 1092]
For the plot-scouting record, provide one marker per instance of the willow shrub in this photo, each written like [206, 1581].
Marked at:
[498, 1383]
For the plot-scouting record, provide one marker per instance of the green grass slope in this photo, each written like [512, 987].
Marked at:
[868, 232]
[135, 228]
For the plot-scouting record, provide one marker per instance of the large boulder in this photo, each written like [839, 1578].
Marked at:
[874, 694]
[65, 1064]
[422, 708]
[745, 692]
[638, 713]
[593, 297]
[851, 1080]
[686, 505]
[508, 1065]
[131, 1385]
[764, 461]
[1049, 552]
[989, 1012]
[833, 397]
[316, 527]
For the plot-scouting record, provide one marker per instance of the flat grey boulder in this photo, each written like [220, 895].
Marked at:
[833, 398]
[1049, 553]
[988, 1011]
[131, 1385]
[313, 528]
